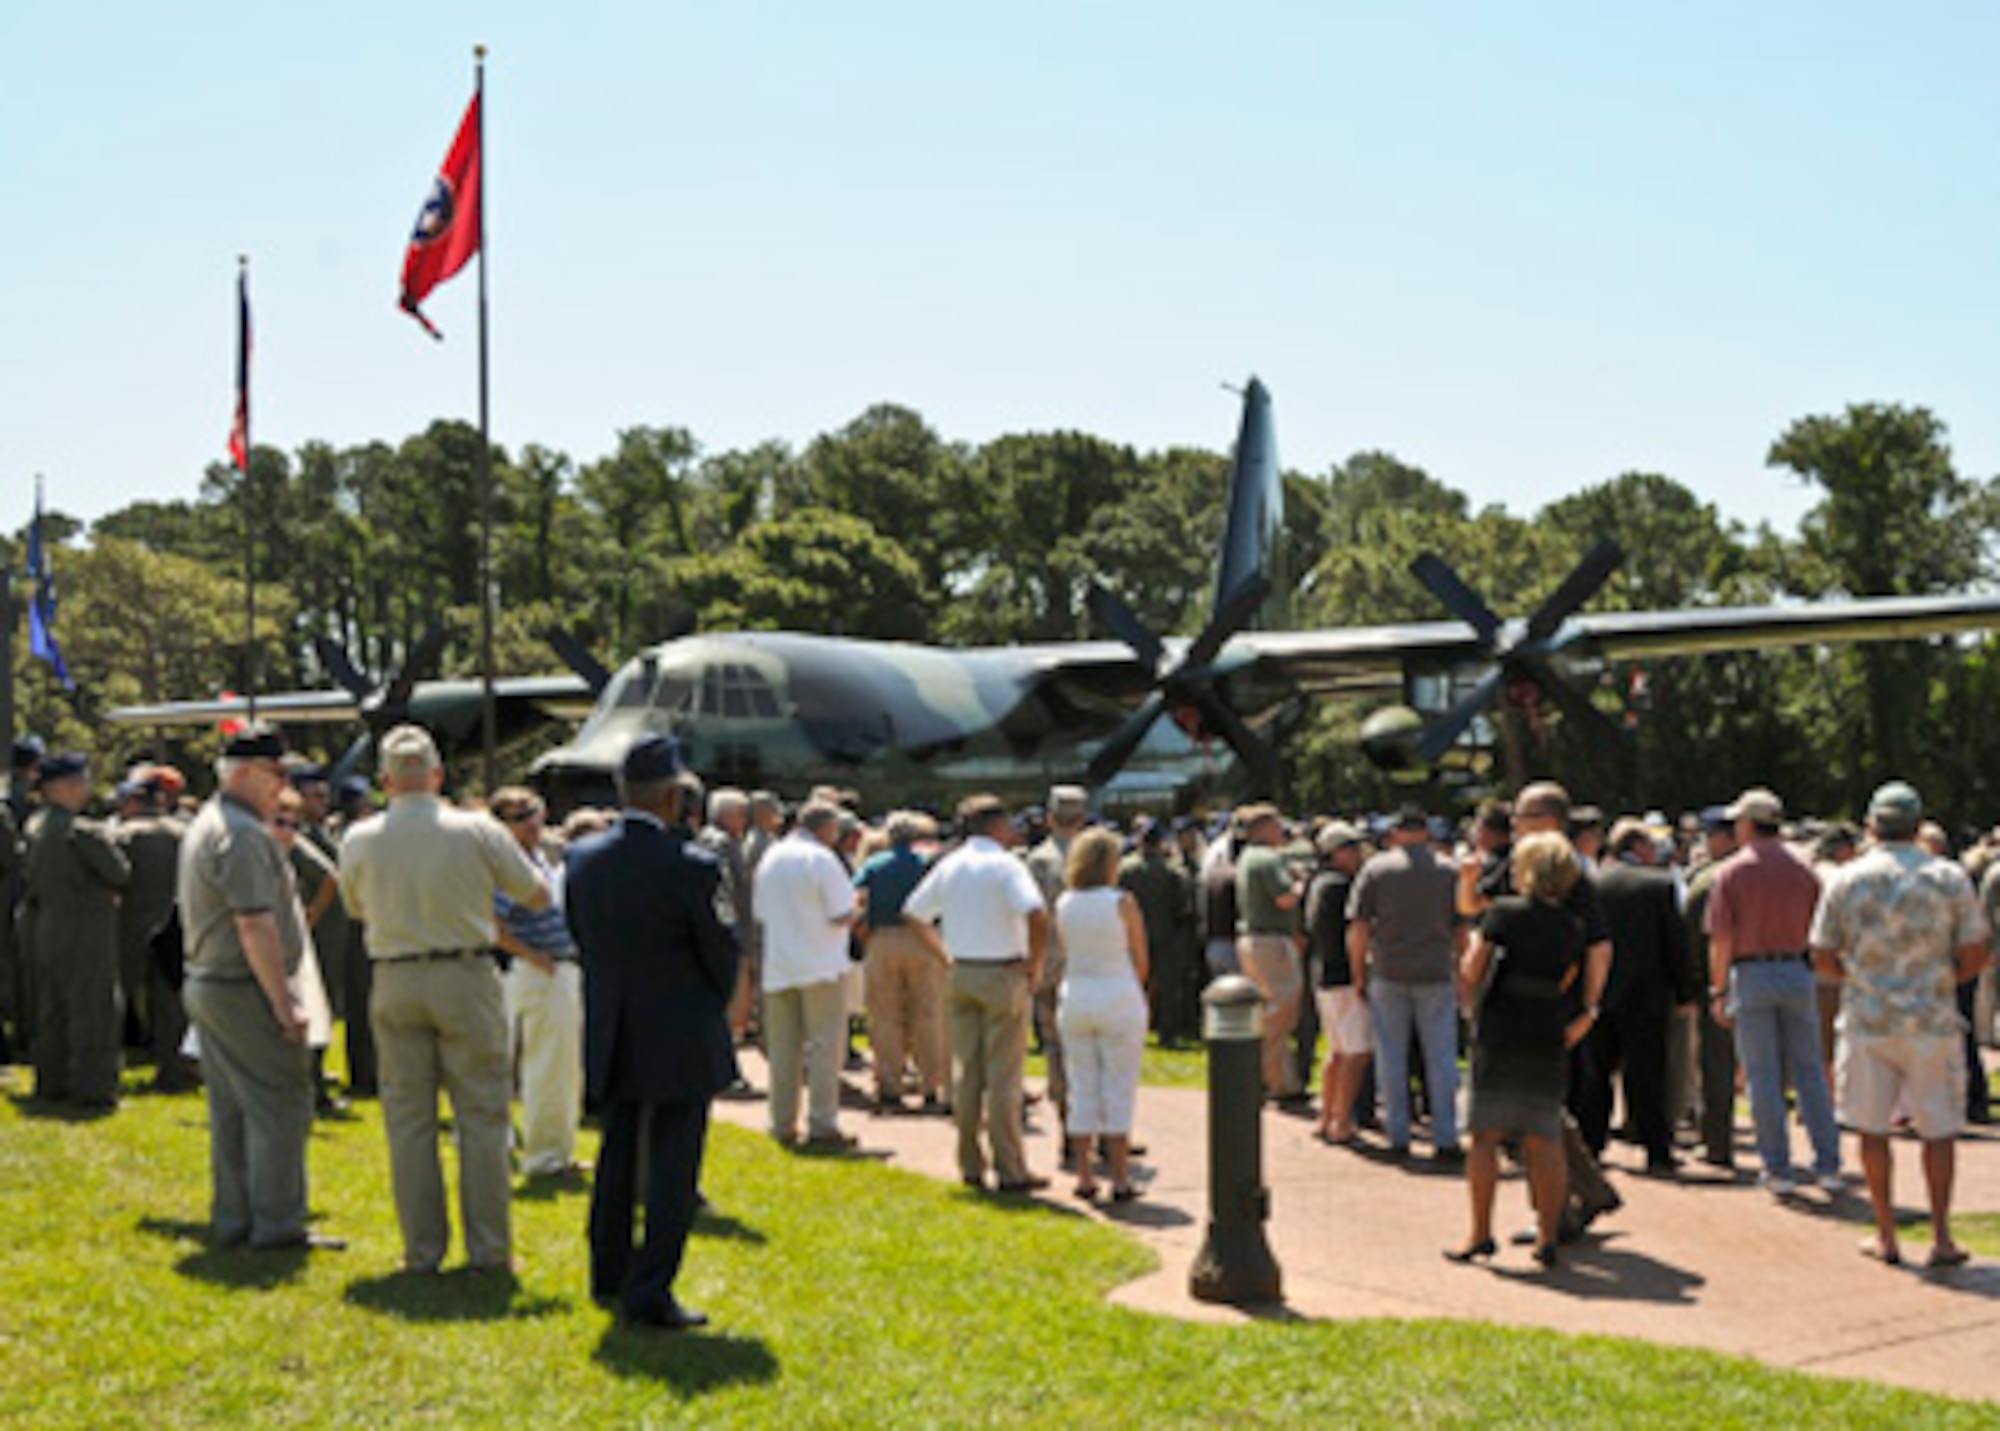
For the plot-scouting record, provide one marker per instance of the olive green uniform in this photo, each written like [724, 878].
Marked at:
[69, 902]
[260, 1094]
[14, 1018]
[1166, 903]
[152, 845]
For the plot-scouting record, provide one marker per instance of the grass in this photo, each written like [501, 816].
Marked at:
[844, 1294]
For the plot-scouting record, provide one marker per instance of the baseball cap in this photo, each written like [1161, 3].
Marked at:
[1897, 800]
[1757, 805]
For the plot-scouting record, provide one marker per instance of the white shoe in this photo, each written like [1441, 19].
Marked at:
[1777, 1184]
[1831, 1183]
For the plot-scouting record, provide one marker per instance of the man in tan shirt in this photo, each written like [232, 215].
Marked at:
[423, 876]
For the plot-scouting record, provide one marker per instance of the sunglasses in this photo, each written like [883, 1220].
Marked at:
[285, 822]
[521, 817]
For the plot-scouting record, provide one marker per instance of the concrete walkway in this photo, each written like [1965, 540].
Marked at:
[1701, 1261]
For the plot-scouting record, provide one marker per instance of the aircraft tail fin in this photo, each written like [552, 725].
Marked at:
[1253, 535]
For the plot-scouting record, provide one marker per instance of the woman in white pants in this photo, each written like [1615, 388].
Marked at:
[1101, 1009]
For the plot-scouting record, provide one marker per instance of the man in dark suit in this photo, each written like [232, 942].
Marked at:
[1651, 982]
[659, 965]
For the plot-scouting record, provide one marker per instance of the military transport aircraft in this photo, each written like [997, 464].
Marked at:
[903, 722]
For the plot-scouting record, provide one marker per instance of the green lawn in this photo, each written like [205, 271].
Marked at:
[845, 1294]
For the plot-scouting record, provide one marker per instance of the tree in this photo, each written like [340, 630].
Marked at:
[813, 570]
[1896, 518]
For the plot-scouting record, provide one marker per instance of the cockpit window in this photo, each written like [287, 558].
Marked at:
[737, 692]
[634, 685]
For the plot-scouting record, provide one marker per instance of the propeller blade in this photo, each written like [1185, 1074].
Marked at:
[1456, 597]
[420, 662]
[1232, 616]
[1578, 587]
[1111, 757]
[351, 758]
[1575, 704]
[1122, 621]
[340, 667]
[577, 657]
[1259, 758]
[1443, 733]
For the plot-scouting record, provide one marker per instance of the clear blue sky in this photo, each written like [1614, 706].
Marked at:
[1524, 246]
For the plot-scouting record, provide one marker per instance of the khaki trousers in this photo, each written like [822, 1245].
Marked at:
[1271, 962]
[906, 1013]
[805, 1029]
[443, 1025]
[545, 1015]
[989, 1044]
[260, 1114]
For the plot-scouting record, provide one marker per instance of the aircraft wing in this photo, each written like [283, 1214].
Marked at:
[1352, 659]
[553, 697]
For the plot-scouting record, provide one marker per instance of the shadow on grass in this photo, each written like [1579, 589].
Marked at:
[30, 1105]
[459, 1296]
[174, 1229]
[253, 1269]
[551, 1189]
[721, 1225]
[692, 1363]
[241, 1268]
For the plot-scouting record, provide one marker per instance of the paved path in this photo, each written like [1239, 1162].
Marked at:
[1697, 1262]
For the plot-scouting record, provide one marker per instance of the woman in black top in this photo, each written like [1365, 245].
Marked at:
[1539, 1001]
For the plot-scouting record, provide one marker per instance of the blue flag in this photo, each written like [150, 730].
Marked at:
[42, 605]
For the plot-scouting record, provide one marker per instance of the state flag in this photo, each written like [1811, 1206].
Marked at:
[447, 229]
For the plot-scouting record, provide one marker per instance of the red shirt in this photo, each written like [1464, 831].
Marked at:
[1762, 901]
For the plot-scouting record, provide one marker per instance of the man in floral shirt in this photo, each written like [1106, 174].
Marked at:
[1901, 929]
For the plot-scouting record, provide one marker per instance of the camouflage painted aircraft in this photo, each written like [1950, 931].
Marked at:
[905, 723]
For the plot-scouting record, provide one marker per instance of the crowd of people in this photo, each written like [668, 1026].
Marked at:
[1580, 968]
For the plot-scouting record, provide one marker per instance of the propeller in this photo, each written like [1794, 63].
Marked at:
[382, 704]
[1192, 684]
[1522, 658]
[578, 658]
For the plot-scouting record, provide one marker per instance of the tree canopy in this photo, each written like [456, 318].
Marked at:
[885, 528]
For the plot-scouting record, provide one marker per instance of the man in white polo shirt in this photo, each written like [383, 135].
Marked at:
[423, 876]
[995, 932]
[805, 903]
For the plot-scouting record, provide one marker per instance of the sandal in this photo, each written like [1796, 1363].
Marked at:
[1124, 1194]
[1085, 1192]
[1948, 1255]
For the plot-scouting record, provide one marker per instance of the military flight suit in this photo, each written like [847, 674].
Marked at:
[1166, 903]
[69, 899]
[13, 1018]
[152, 846]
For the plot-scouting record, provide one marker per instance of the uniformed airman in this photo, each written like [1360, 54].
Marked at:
[69, 895]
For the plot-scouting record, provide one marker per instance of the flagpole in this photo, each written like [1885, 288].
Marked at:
[487, 732]
[251, 663]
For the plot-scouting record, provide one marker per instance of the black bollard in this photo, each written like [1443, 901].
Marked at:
[1235, 1263]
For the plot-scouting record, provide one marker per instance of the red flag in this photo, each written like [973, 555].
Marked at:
[447, 232]
[239, 430]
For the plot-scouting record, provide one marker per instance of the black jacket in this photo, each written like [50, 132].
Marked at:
[1650, 969]
[659, 964]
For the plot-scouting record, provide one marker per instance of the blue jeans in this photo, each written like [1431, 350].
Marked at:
[1430, 1011]
[1777, 1041]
